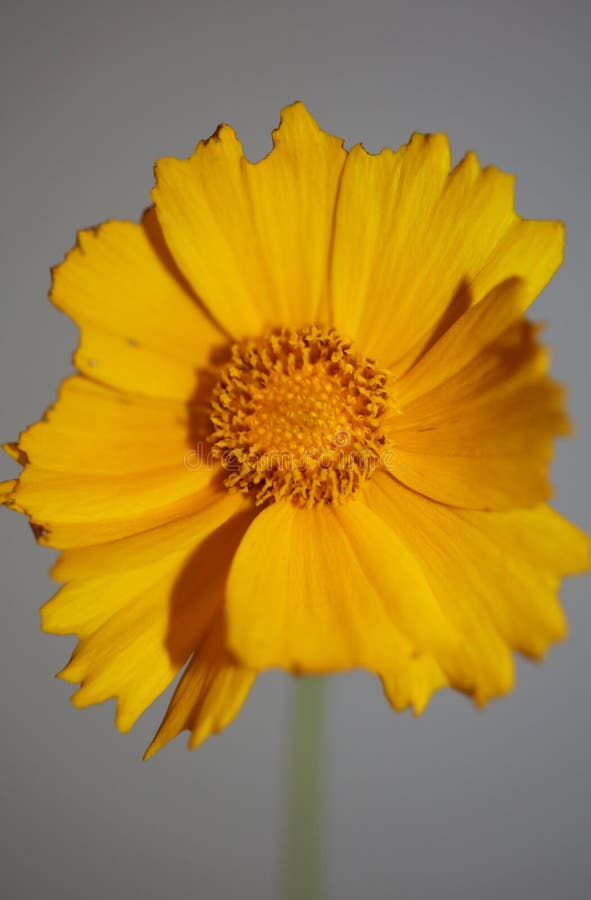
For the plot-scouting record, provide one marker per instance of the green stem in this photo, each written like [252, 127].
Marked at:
[305, 795]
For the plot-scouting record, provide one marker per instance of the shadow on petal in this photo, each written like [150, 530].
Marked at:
[198, 594]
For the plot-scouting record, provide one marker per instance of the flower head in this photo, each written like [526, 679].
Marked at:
[310, 429]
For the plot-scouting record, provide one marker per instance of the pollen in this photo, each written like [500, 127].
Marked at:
[297, 414]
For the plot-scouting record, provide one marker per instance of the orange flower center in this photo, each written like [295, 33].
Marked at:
[296, 414]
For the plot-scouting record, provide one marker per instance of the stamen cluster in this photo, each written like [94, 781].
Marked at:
[296, 414]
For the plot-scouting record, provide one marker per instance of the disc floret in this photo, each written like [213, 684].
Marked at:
[297, 414]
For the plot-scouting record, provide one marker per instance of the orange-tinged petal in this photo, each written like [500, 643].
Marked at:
[495, 574]
[138, 627]
[6, 489]
[253, 240]
[209, 696]
[413, 243]
[141, 328]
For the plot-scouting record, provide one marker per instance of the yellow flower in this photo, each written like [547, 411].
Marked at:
[311, 430]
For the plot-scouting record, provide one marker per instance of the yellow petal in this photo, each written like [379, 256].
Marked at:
[93, 595]
[99, 507]
[414, 683]
[94, 429]
[479, 482]
[138, 628]
[308, 605]
[384, 206]
[496, 575]
[6, 489]
[483, 437]
[327, 599]
[470, 334]
[85, 604]
[103, 464]
[138, 651]
[293, 194]
[490, 667]
[141, 328]
[539, 538]
[253, 240]
[411, 239]
[532, 250]
[209, 696]
[210, 508]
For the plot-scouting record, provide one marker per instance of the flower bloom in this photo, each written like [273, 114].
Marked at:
[310, 429]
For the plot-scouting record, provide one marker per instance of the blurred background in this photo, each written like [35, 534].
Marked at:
[460, 803]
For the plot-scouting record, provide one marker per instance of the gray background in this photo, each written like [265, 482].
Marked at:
[459, 804]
